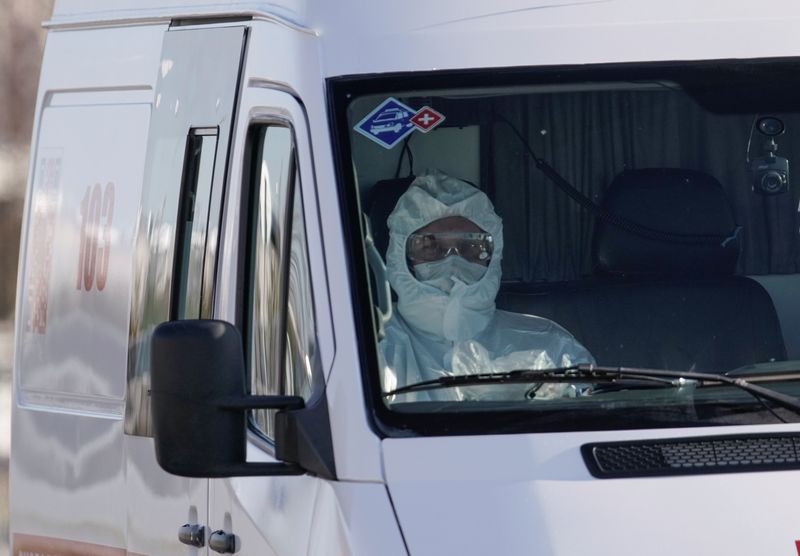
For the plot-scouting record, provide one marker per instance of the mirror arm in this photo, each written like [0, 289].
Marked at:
[240, 403]
[254, 469]
[244, 403]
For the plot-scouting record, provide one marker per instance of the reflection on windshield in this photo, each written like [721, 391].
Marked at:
[617, 224]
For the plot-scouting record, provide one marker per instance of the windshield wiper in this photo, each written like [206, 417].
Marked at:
[583, 374]
[571, 374]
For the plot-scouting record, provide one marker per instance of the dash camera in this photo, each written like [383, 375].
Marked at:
[770, 172]
[770, 175]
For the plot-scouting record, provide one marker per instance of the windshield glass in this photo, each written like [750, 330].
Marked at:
[637, 217]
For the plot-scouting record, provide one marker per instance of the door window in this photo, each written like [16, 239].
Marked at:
[280, 324]
[201, 148]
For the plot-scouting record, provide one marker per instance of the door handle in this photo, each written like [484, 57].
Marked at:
[192, 534]
[222, 542]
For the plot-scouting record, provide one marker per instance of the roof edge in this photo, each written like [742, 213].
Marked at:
[157, 15]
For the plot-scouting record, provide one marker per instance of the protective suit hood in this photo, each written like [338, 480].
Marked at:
[466, 309]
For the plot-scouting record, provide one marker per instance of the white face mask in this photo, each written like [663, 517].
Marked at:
[444, 273]
[458, 306]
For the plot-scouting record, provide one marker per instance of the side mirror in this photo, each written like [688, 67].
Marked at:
[200, 404]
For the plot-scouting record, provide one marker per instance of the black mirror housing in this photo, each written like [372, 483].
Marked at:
[199, 402]
[193, 364]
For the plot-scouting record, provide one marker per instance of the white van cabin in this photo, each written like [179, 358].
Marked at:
[223, 347]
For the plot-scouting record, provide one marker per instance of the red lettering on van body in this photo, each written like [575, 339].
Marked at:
[97, 213]
[44, 202]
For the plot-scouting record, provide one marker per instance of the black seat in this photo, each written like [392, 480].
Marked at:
[663, 303]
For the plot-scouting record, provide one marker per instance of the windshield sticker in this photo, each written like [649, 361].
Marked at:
[426, 119]
[392, 121]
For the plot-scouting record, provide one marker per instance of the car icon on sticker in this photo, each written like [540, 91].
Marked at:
[387, 124]
[391, 119]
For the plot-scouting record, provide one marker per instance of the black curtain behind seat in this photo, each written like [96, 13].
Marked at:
[590, 137]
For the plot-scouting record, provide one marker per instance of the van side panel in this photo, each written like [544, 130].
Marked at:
[68, 462]
[77, 278]
[72, 344]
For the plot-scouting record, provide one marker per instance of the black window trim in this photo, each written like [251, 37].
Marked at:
[342, 89]
[189, 185]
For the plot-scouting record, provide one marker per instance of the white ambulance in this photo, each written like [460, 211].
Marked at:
[213, 352]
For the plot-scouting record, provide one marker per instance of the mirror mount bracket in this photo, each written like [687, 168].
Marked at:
[303, 437]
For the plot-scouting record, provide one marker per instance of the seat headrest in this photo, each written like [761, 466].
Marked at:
[379, 204]
[674, 201]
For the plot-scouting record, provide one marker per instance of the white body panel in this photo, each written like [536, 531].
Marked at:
[442, 36]
[78, 478]
[523, 494]
[422, 36]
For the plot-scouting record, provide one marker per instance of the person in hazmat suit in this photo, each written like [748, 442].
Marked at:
[444, 263]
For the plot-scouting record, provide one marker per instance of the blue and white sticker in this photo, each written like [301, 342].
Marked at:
[388, 124]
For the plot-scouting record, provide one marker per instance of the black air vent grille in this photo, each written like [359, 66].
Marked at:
[687, 456]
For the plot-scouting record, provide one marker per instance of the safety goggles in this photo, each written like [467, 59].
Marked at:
[475, 247]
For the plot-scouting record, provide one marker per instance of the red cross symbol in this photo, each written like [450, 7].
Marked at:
[426, 119]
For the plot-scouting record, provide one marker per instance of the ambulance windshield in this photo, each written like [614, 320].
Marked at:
[637, 217]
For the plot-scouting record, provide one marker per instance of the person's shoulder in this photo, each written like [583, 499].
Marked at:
[395, 325]
[396, 331]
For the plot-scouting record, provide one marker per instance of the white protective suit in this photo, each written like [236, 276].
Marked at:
[435, 333]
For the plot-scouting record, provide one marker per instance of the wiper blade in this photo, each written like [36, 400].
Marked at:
[570, 374]
[595, 374]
